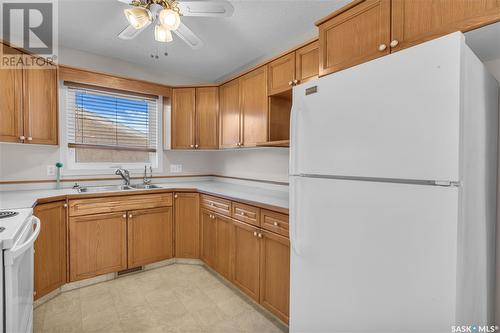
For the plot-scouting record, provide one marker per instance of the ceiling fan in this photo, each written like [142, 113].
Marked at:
[166, 17]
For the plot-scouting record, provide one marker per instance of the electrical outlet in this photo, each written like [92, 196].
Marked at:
[175, 168]
[51, 170]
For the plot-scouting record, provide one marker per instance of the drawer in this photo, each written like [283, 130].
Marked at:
[246, 213]
[274, 222]
[80, 207]
[221, 206]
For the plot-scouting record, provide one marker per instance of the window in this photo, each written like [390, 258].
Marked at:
[106, 129]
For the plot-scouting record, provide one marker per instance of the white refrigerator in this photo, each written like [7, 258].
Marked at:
[393, 169]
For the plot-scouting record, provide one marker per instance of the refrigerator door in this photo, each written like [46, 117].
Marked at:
[372, 257]
[394, 117]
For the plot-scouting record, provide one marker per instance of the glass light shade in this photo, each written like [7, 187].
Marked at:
[162, 34]
[138, 17]
[170, 19]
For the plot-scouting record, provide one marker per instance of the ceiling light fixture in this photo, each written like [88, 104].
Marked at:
[170, 19]
[162, 34]
[138, 17]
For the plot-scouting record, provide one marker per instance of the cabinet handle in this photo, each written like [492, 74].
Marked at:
[290, 83]
[275, 224]
[196, 146]
[382, 47]
[175, 196]
[65, 205]
[30, 138]
[124, 216]
[22, 138]
[295, 81]
[260, 235]
[129, 216]
[191, 146]
[255, 233]
[394, 43]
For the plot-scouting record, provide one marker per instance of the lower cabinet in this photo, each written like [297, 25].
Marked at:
[246, 268]
[224, 233]
[208, 238]
[50, 248]
[187, 225]
[98, 244]
[150, 234]
[275, 274]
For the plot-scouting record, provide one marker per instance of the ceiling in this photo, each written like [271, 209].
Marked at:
[257, 30]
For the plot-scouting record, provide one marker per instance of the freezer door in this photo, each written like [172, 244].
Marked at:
[394, 117]
[372, 257]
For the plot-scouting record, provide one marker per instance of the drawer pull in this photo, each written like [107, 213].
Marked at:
[255, 233]
[124, 216]
[275, 224]
[260, 235]
[130, 216]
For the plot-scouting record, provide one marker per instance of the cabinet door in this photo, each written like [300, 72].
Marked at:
[50, 248]
[359, 34]
[98, 245]
[208, 238]
[224, 230]
[281, 74]
[230, 115]
[40, 106]
[11, 86]
[207, 110]
[415, 22]
[246, 259]
[187, 225]
[183, 118]
[275, 274]
[253, 94]
[307, 62]
[150, 236]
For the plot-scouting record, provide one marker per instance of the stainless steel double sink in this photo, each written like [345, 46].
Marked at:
[112, 188]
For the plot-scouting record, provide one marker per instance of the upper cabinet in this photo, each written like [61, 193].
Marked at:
[355, 34]
[367, 29]
[29, 104]
[230, 115]
[281, 74]
[195, 118]
[253, 99]
[414, 22]
[307, 62]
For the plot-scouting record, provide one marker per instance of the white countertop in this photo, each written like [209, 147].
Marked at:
[257, 194]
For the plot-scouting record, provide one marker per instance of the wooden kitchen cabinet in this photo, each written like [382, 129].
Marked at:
[195, 118]
[253, 98]
[414, 22]
[275, 274]
[98, 244]
[183, 118]
[150, 236]
[246, 251]
[11, 93]
[187, 225]
[307, 62]
[50, 248]
[281, 74]
[224, 234]
[40, 106]
[29, 104]
[357, 33]
[207, 112]
[230, 115]
[208, 238]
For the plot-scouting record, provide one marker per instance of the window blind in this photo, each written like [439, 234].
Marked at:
[110, 120]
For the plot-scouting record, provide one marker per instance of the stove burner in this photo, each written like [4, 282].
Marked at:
[6, 213]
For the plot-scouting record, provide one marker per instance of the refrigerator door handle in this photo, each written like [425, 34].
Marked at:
[293, 136]
[294, 219]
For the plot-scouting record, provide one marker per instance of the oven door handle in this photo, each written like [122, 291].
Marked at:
[16, 251]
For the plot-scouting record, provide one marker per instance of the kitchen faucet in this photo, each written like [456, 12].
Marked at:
[145, 179]
[124, 174]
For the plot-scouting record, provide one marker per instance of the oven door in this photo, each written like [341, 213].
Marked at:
[18, 267]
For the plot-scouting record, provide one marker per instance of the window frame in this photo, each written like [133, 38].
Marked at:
[68, 156]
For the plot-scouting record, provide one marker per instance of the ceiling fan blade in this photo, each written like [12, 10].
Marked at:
[130, 32]
[188, 37]
[220, 8]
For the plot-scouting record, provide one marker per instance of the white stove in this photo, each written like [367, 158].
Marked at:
[17, 236]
